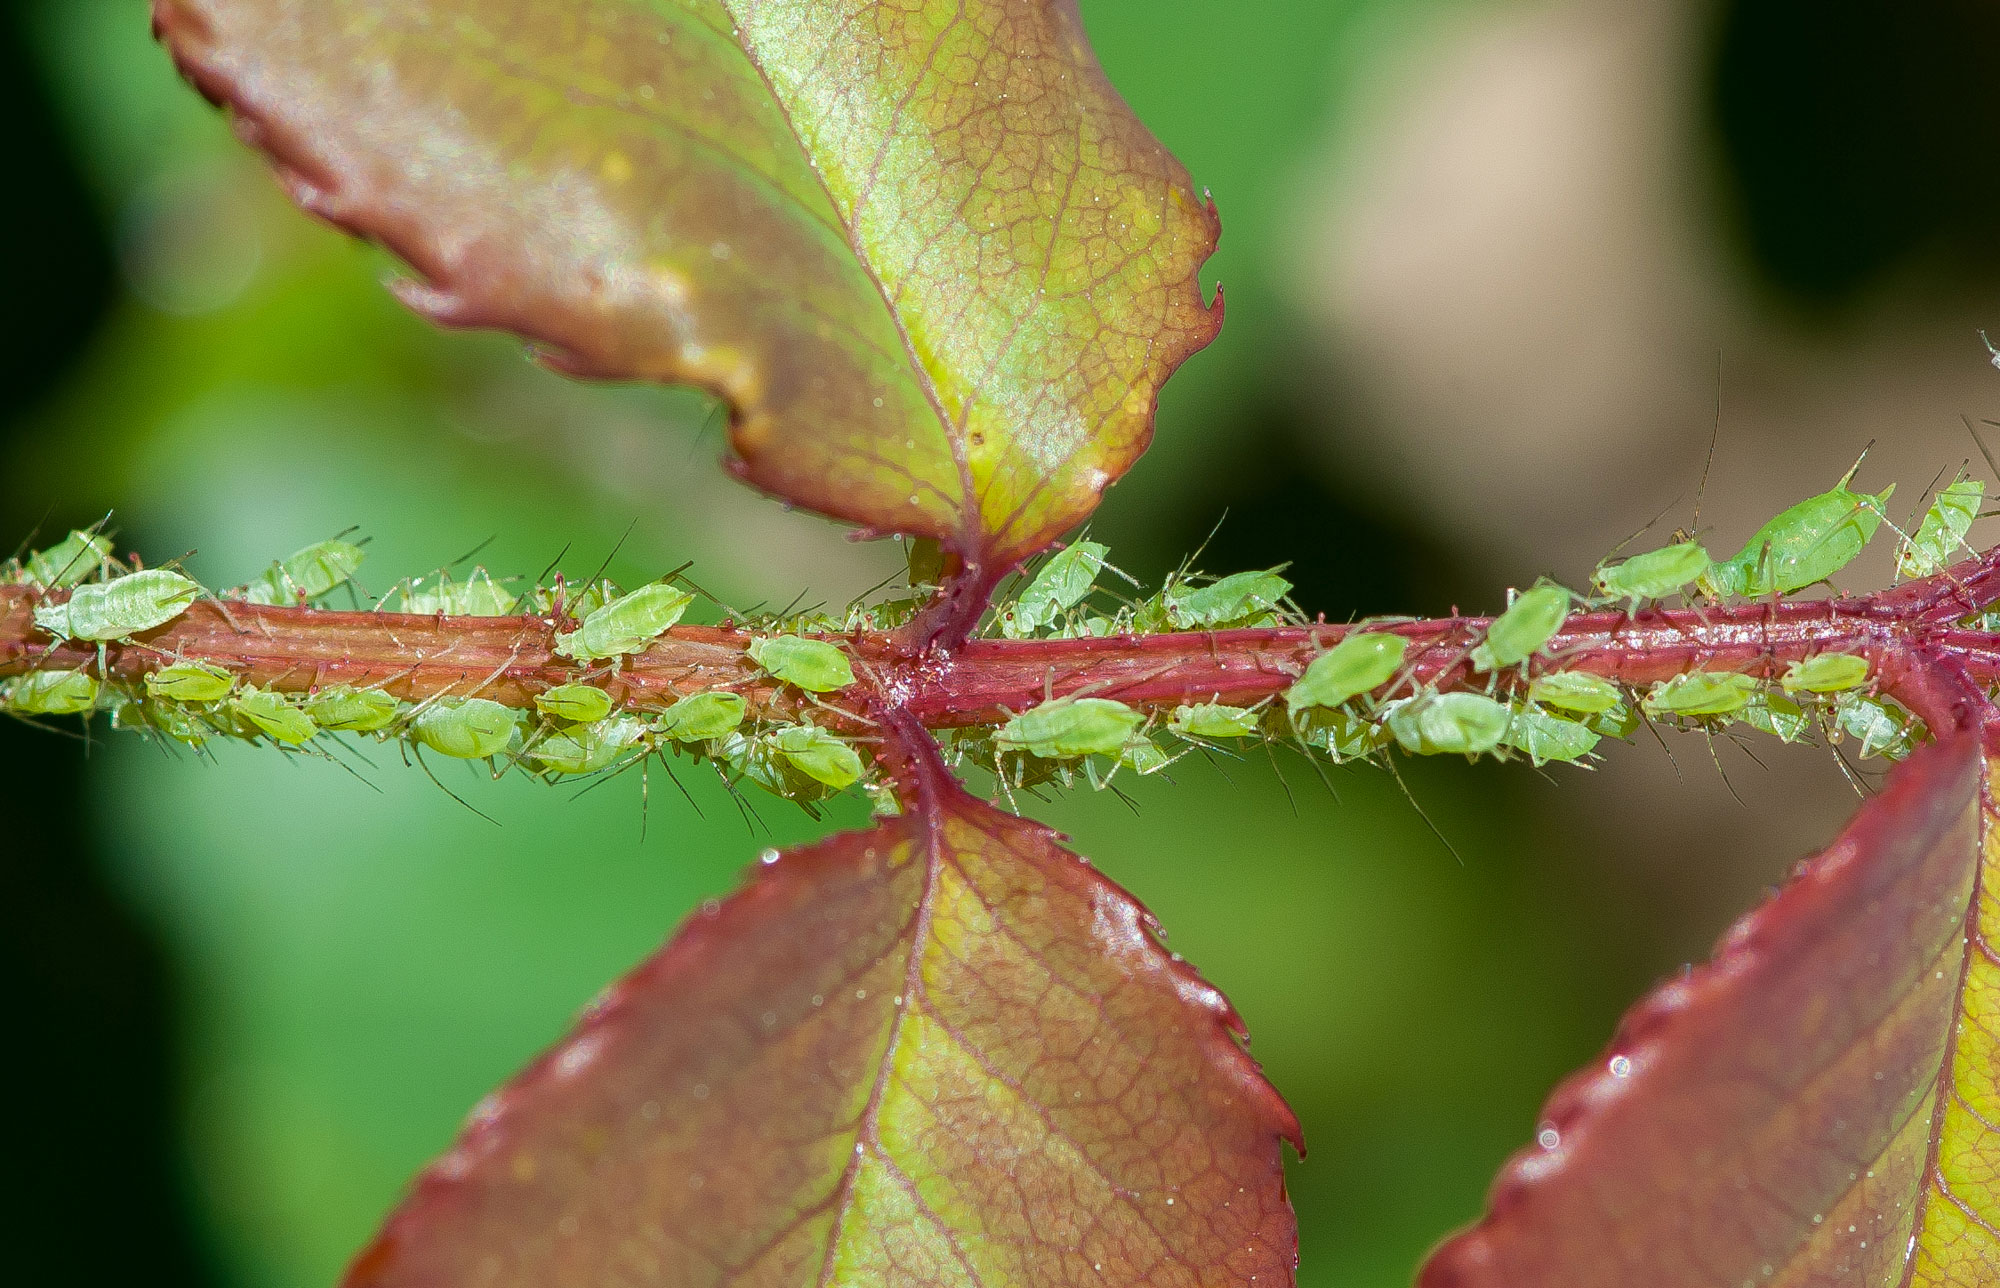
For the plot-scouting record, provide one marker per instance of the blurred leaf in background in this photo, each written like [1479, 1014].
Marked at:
[358, 957]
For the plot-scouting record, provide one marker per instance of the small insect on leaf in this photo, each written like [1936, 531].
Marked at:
[273, 715]
[700, 717]
[1942, 534]
[190, 682]
[628, 624]
[1776, 715]
[1882, 730]
[1700, 693]
[1805, 544]
[1143, 756]
[1529, 623]
[1576, 691]
[1444, 724]
[582, 703]
[756, 760]
[465, 728]
[70, 562]
[813, 665]
[1357, 665]
[345, 709]
[588, 748]
[1068, 727]
[1340, 733]
[818, 755]
[124, 606]
[1061, 585]
[166, 718]
[1543, 736]
[1213, 720]
[477, 596]
[1825, 673]
[307, 574]
[1653, 575]
[53, 693]
[1240, 599]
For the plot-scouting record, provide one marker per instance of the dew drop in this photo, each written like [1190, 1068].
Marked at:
[1621, 1066]
[1548, 1138]
[768, 857]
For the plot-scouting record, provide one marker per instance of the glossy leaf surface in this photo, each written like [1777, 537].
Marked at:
[1815, 1107]
[926, 254]
[937, 1052]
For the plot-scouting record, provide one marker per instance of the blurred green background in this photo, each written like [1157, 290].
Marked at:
[1480, 261]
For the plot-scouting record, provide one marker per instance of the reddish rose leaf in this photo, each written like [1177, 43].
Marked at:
[924, 251]
[943, 1051]
[1815, 1107]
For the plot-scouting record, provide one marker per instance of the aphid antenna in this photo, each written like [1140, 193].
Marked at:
[1641, 532]
[28, 541]
[469, 555]
[325, 753]
[1980, 443]
[1408, 795]
[1848, 771]
[425, 766]
[1319, 771]
[1708, 738]
[1653, 728]
[1714, 435]
[667, 767]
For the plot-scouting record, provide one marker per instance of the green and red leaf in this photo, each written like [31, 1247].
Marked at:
[928, 257]
[942, 1051]
[1816, 1106]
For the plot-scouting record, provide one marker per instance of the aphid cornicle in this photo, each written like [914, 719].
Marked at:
[1804, 544]
[53, 693]
[1529, 623]
[813, 665]
[701, 716]
[70, 562]
[306, 574]
[1358, 664]
[190, 682]
[1068, 727]
[1941, 535]
[1442, 724]
[1700, 693]
[1060, 585]
[1653, 575]
[818, 755]
[273, 715]
[628, 624]
[345, 709]
[123, 606]
[465, 728]
[1213, 720]
[1825, 673]
[580, 703]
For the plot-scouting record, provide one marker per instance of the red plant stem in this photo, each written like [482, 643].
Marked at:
[1939, 669]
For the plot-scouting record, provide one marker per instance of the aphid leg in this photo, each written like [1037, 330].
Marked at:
[425, 766]
[1408, 795]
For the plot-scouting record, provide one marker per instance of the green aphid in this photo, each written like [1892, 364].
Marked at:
[1529, 623]
[1825, 673]
[190, 682]
[1240, 599]
[1069, 727]
[628, 624]
[757, 761]
[1214, 720]
[1358, 664]
[588, 748]
[53, 693]
[1340, 733]
[345, 709]
[1653, 575]
[818, 755]
[307, 574]
[701, 716]
[1881, 729]
[465, 728]
[70, 562]
[813, 665]
[1543, 736]
[1776, 715]
[123, 606]
[1444, 724]
[477, 596]
[1942, 534]
[1061, 585]
[169, 720]
[1700, 693]
[581, 703]
[1620, 721]
[1576, 691]
[1143, 756]
[273, 715]
[1805, 544]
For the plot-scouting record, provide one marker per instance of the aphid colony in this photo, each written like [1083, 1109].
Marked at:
[573, 728]
[1354, 700]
